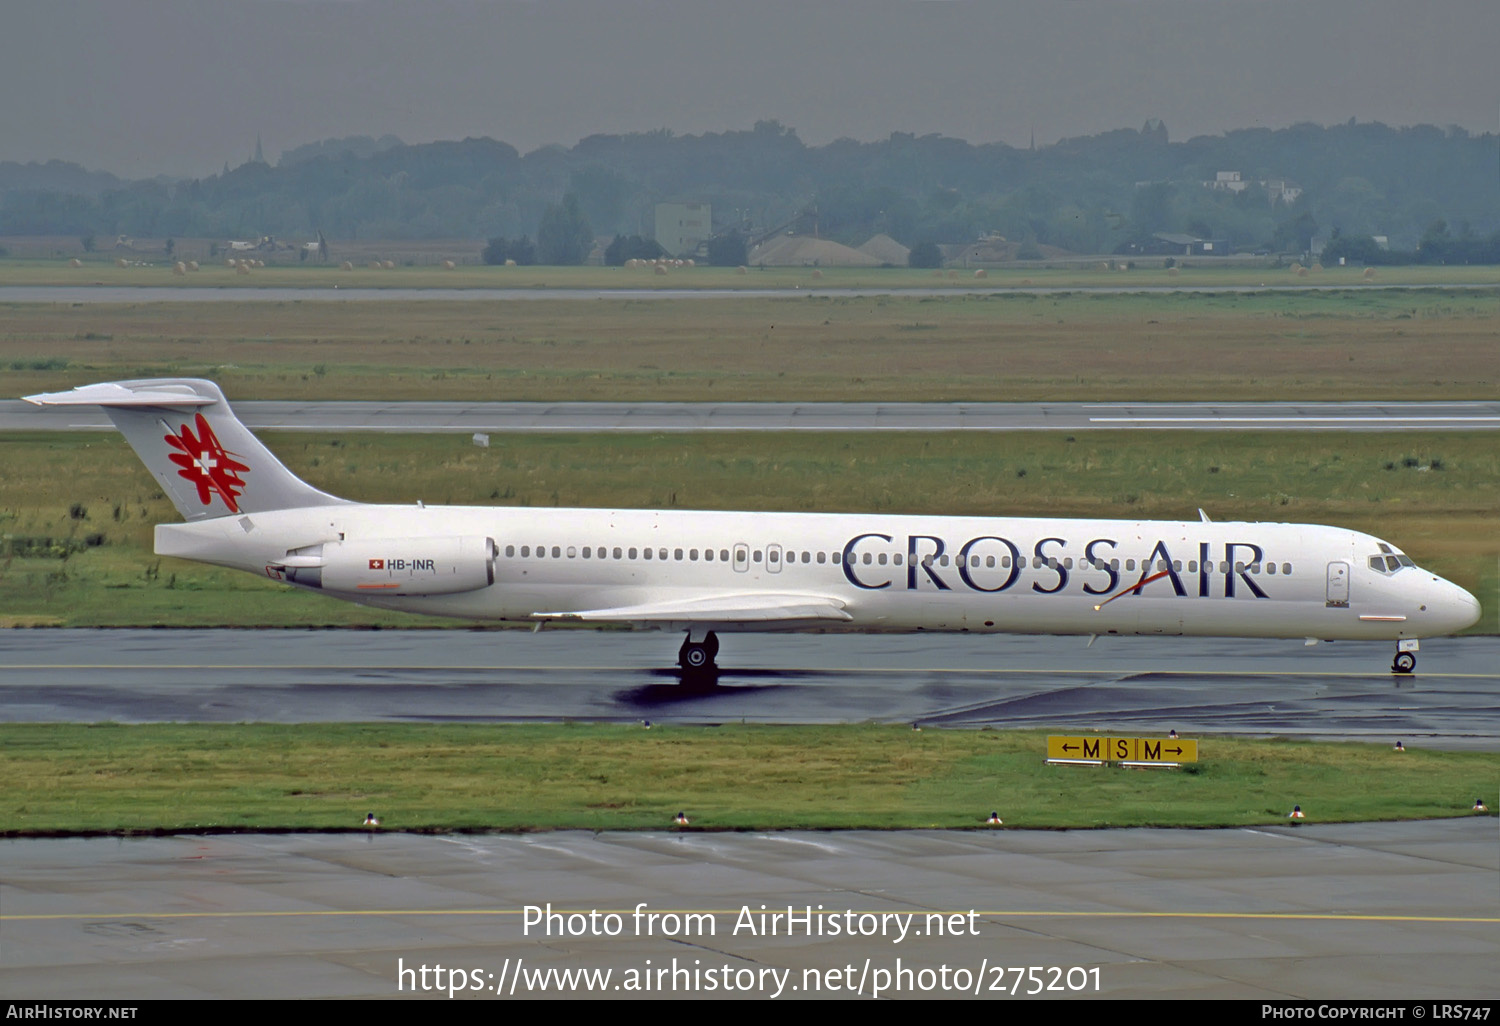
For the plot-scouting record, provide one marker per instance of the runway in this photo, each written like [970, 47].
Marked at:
[508, 417]
[1340, 690]
[100, 293]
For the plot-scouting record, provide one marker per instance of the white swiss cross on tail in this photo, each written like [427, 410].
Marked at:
[204, 462]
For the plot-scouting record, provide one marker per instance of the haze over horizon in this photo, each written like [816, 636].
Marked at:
[179, 88]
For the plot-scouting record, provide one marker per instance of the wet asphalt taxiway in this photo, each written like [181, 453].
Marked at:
[1251, 687]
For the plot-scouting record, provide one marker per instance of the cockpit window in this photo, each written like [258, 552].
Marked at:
[1389, 564]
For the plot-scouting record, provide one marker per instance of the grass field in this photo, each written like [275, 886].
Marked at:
[77, 510]
[185, 777]
[1370, 344]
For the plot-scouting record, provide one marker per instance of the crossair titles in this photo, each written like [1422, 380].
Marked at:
[990, 563]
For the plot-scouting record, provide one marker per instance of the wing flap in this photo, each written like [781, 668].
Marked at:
[753, 607]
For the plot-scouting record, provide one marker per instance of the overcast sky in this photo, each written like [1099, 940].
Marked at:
[141, 87]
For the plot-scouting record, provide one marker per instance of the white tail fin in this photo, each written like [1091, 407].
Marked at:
[207, 462]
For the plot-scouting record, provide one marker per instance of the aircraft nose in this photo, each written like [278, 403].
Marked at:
[1459, 609]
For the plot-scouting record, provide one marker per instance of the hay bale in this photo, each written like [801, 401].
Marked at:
[661, 269]
[75, 262]
[121, 262]
[1369, 274]
[260, 263]
[1296, 266]
[742, 269]
[192, 265]
[981, 273]
[1173, 271]
[953, 275]
[510, 263]
[1025, 281]
[242, 268]
[817, 274]
[346, 266]
[389, 265]
[1316, 268]
[1104, 265]
[449, 265]
[1302, 272]
[689, 262]
[179, 268]
[374, 265]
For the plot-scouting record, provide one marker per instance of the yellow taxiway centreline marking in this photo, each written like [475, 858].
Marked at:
[993, 914]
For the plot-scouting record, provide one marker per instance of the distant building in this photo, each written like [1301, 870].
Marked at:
[1278, 190]
[806, 251]
[682, 227]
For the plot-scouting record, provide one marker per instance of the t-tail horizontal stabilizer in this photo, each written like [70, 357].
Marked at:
[207, 462]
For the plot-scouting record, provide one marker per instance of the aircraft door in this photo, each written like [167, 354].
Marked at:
[773, 559]
[1338, 584]
[741, 558]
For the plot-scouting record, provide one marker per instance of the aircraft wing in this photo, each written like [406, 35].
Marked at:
[752, 607]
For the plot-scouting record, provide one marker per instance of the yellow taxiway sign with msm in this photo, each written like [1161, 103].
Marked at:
[1123, 749]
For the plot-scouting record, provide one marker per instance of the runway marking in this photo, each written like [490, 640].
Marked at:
[1463, 418]
[992, 914]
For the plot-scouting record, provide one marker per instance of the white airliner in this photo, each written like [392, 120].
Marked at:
[707, 572]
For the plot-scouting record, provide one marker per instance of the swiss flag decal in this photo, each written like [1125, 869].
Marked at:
[377, 564]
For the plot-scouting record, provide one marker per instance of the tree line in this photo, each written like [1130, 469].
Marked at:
[1098, 194]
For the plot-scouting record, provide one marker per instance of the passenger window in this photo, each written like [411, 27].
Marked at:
[1286, 568]
[587, 552]
[525, 551]
[755, 556]
[1192, 566]
[572, 552]
[510, 550]
[617, 552]
[648, 553]
[677, 554]
[836, 557]
[723, 555]
[1130, 564]
[693, 555]
[556, 552]
[989, 561]
[882, 559]
[632, 553]
[867, 559]
[822, 557]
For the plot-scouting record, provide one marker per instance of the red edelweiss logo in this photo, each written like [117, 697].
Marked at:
[205, 463]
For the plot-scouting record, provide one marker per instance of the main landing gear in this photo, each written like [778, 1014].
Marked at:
[697, 657]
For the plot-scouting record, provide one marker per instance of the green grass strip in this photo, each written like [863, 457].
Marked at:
[111, 778]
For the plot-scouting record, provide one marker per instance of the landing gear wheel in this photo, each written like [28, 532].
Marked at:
[694, 656]
[698, 656]
[1404, 662]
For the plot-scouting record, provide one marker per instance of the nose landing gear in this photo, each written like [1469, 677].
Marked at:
[1405, 662]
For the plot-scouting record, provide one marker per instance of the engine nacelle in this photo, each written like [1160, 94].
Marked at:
[396, 566]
